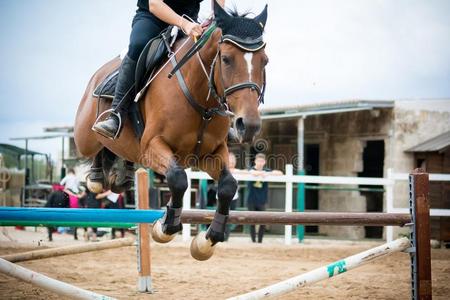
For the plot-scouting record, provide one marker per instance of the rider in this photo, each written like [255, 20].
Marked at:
[152, 16]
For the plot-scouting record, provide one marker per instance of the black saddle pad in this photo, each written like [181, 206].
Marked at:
[107, 87]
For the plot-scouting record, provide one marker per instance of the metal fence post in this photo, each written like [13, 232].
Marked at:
[301, 206]
[288, 204]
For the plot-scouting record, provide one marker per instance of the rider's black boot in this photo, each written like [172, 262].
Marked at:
[111, 126]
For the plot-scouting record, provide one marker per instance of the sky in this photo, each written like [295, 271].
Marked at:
[319, 50]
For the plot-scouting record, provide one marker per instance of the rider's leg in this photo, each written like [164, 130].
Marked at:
[145, 27]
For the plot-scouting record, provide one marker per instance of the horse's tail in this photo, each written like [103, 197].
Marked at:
[108, 160]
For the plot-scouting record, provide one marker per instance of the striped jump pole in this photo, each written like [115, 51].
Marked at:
[42, 281]
[88, 217]
[328, 271]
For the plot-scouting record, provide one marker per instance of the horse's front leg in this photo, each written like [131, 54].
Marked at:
[202, 247]
[161, 159]
[165, 229]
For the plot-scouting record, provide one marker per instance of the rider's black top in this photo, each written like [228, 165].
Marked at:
[188, 7]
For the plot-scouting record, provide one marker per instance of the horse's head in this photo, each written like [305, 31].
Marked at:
[240, 68]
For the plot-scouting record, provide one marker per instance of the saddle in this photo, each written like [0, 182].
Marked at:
[149, 60]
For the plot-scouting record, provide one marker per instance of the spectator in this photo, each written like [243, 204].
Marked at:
[57, 198]
[233, 170]
[93, 200]
[258, 192]
[211, 196]
[71, 181]
[115, 201]
[74, 202]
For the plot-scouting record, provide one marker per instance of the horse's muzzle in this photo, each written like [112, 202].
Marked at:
[247, 128]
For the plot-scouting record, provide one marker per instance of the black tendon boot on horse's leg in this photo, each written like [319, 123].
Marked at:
[111, 127]
[202, 246]
[96, 178]
[165, 229]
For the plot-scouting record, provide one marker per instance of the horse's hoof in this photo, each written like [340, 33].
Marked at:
[201, 247]
[94, 187]
[159, 236]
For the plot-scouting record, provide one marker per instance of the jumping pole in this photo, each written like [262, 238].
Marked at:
[328, 271]
[85, 217]
[66, 250]
[42, 281]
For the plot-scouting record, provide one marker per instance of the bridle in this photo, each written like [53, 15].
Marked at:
[223, 108]
[235, 87]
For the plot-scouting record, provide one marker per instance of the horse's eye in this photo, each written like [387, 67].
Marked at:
[265, 61]
[226, 60]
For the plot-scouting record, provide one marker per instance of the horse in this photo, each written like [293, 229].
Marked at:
[179, 134]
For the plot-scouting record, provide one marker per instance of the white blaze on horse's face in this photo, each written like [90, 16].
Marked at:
[248, 58]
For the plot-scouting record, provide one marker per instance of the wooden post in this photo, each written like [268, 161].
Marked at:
[143, 249]
[420, 236]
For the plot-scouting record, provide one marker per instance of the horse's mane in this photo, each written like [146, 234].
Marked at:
[235, 13]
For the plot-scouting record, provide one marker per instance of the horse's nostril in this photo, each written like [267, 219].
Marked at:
[240, 126]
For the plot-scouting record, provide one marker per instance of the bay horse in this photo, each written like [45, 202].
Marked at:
[236, 59]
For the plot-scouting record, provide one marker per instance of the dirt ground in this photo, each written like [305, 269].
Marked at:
[237, 267]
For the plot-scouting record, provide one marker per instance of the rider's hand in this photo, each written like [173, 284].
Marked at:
[191, 29]
[207, 22]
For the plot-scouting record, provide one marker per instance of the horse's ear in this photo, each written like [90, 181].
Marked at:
[220, 15]
[261, 19]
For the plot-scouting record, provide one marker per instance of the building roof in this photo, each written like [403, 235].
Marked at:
[437, 143]
[16, 151]
[42, 137]
[59, 129]
[304, 110]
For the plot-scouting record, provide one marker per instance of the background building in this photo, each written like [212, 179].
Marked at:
[358, 138]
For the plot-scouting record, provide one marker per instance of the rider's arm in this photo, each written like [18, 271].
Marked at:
[163, 12]
[102, 195]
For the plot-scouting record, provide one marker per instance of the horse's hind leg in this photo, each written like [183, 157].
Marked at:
[123, 179]
[96, 178]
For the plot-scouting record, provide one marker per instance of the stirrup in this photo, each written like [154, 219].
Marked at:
[111, 111]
